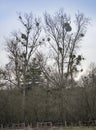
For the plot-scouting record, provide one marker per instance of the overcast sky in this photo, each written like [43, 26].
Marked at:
[9, 20]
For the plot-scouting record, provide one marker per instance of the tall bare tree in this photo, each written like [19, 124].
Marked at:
[22, 47]
[64, 41]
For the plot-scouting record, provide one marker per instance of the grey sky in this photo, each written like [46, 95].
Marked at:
[9, 20]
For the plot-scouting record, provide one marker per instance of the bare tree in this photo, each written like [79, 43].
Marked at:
[89, 91]
[21, 48]
[2, 78]
[64, 43]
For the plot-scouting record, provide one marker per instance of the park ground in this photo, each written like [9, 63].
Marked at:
[63, 128]
[78, 128]
[73, 128]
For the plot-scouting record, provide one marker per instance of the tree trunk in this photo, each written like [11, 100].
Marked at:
[23, 103]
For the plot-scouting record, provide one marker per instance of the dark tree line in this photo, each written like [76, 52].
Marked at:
[79, 104]
[41, 87]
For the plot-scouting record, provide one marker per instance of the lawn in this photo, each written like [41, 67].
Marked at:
[70, 128]
[78, 128]
[63, 128]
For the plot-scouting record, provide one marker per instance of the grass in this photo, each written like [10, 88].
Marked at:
[61, 128]
[71, 128]
[78, 128]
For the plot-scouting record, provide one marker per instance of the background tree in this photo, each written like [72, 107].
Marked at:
[89, 91]
[2, 77]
